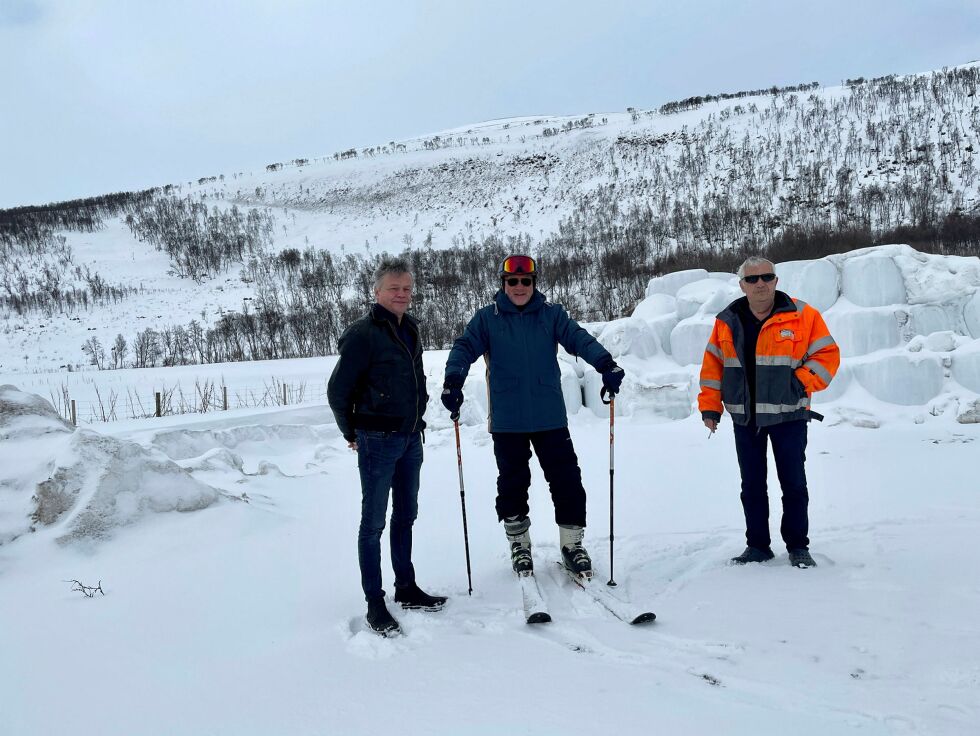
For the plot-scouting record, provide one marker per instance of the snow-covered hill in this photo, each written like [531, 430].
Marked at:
[711, 173]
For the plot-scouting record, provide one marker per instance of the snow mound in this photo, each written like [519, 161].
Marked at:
[689, 338]
[629, 336]
[872, 280]
[184, 444]
[28, 415]
[669, 283]
[971, 315]
[84, 484]
[907, 380]
[815, 282]
[655, 305]
[707, 295]
[966, 369]
[859, 332]
[970, 414]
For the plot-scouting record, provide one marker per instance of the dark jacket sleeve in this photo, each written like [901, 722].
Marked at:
[576, 341]
[468, 347]
[355, 357]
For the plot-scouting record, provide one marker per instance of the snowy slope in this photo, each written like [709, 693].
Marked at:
[831, 154]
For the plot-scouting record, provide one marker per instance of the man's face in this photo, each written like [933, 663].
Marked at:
[394, 293]
[519, 289]
[761, 294]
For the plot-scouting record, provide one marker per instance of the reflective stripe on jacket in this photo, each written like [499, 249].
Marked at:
[795, 355]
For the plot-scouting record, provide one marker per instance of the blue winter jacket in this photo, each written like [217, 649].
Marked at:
[520, 348]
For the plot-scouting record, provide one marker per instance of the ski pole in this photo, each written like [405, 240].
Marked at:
[612, 435]
[462, 501]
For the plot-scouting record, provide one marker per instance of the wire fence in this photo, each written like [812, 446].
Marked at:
[206, 396]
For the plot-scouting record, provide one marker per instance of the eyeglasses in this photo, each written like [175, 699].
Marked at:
[514, 281]
[519, 264]
[754, 278]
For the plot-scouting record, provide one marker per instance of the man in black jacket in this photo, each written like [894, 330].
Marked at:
[377, 394]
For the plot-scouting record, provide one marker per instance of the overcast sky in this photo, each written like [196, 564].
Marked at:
[105, 95]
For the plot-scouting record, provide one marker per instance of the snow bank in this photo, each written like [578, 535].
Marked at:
[24, 415]
[80, 484]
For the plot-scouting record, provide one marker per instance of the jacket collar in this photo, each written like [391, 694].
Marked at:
[380, 314]
[781, 303]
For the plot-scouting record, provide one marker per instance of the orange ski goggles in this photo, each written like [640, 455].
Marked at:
[518, 264]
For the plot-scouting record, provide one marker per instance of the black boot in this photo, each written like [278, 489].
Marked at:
[753, 554]
[380, 620]
[411, 596]
[573, 554]
[801, 558]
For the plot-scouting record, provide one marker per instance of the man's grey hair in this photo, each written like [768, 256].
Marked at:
[753, 261]
[394, 266]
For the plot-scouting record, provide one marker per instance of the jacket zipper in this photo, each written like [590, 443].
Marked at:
[411, 359]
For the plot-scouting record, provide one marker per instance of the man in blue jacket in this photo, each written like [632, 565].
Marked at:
[518, 336]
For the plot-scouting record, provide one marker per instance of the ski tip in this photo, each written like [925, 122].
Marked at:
[644, 618]
[539, 617]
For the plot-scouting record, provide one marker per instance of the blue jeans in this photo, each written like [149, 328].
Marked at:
[387, 461]
[789, 450]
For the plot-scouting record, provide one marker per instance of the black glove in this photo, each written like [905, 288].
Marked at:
[452, 395]
[612, 379]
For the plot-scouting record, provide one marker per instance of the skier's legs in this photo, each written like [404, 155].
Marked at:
[560, 467]
[750, 447]
[405, 507]
[512, 451]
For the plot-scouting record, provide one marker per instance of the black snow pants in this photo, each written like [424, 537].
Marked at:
[559, 464]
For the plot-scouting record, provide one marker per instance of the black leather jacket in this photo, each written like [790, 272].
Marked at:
[378, 384]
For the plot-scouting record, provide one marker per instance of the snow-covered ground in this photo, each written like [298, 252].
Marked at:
[225, 545]
[245, 617]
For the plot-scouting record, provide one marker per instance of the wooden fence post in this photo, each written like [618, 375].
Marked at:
[74, 414]
[284, 394]
[224, 396]
[158, 402]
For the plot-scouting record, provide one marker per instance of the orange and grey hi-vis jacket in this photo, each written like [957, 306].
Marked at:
[795, 355]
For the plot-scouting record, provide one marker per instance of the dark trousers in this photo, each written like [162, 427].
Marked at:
[789, 450]
[387, 461]
[559, 464]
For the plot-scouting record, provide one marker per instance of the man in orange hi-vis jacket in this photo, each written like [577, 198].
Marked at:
[766, 355]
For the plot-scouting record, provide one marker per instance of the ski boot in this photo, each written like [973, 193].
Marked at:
[573, 554]
[519, 541]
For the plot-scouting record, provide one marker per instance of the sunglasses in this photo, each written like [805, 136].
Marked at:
[519, 264]
[754, 279]
[514, 281]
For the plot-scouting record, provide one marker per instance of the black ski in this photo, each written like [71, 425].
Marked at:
[607, 598]
[535, 608]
